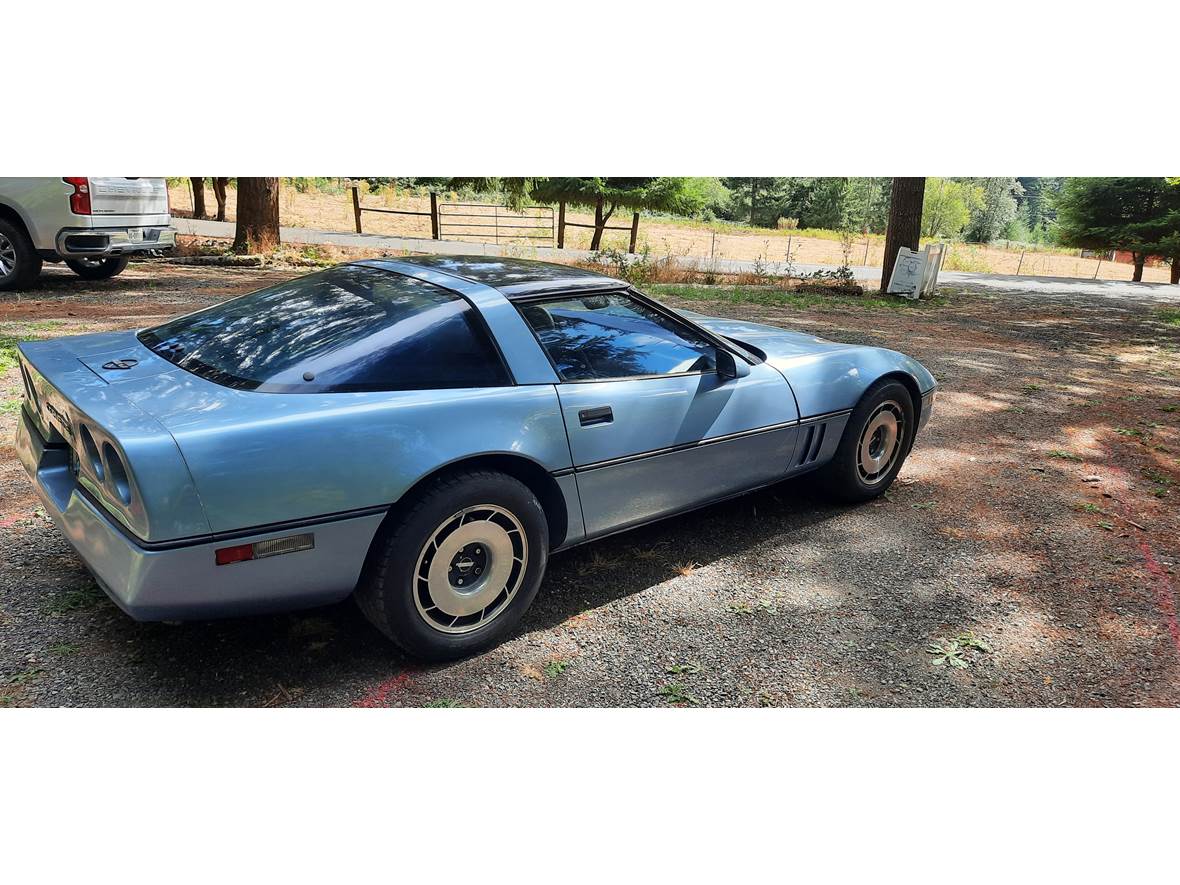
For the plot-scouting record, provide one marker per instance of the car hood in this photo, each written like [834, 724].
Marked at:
[825, 376]
[773, 341]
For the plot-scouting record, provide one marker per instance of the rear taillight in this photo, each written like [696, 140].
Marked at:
[80, 198]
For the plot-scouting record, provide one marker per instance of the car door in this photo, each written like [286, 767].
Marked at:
[653, 427]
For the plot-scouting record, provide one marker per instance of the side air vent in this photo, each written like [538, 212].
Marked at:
[813, 441]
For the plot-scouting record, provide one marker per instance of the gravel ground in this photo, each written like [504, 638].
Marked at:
[1037, 513]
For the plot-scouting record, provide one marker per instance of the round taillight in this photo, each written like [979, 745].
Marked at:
[90, 450]
[117, 473]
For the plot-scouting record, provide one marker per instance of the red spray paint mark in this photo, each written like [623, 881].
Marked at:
[1163, 593]
[378, 695]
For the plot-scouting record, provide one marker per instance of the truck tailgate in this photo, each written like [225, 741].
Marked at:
[128, 196]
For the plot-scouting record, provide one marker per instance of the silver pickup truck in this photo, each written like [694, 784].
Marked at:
[92, 224]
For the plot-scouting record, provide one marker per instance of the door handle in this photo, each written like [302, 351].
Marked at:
[599, 415]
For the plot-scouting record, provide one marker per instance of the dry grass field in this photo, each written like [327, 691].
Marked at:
[325, 211]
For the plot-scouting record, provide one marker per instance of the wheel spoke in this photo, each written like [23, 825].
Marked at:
[471, 569]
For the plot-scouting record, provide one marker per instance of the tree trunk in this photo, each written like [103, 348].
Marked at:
[219, 185]
[258, 215]
[753, 198]
[905, 222]
[600, 220]
[1175, 270]
[198, 197]
[1137, 277]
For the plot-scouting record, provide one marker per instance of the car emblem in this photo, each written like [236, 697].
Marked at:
[121, 364]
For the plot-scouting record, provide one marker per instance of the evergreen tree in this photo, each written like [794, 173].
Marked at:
[1130, 214]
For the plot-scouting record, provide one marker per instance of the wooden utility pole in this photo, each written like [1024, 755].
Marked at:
[905, 222]
[258, 215]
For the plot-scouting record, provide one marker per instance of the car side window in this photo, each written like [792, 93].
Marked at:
[595, 337]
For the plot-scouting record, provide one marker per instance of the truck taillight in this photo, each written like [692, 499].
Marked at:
[80, 198]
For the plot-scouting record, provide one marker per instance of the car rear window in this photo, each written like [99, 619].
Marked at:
[350, 328]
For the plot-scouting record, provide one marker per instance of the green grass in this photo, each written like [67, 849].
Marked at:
[7, 352]
[555, 668]
[1170, 316]
[780, 298]
[12, 333]
[75, 600]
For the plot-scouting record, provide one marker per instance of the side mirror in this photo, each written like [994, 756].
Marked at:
[730, 367]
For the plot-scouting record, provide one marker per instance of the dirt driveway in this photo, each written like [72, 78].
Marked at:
[1036, 518]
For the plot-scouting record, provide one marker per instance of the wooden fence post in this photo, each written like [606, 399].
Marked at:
[561, 225]
[356, 207]
[1020, 264]
[433, 215]
[634, 232]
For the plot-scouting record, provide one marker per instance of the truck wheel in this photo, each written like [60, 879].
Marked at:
[19, 262]
[458, 566]
[98, 268]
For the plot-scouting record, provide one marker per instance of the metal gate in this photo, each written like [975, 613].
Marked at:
[490, 223]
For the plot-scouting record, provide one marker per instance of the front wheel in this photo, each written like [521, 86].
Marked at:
[98, 268]
[459, 565]
[876, 441]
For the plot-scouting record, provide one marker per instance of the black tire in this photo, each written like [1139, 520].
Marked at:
[844, 477]
[20, 265]
[395, 590]
[98, 268]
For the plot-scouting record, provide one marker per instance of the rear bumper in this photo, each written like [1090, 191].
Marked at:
[181, 580]
[99, 241]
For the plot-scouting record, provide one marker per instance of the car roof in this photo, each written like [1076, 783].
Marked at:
[514, 277]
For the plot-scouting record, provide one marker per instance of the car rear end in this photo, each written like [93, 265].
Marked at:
[114, 481]
[110, 216]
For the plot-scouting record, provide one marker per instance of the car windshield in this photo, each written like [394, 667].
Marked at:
[350, 328]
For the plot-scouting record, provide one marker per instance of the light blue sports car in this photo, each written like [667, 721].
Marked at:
[425, 433]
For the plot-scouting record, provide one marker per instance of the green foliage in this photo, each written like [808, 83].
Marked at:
[995, 210]
[677, 695]
[637, 270]
[948, 206]
[1139, 215]
[1037, 205]
[555, 668]
[78, 599]
[950, 652]
[661, 194]
[832, 203]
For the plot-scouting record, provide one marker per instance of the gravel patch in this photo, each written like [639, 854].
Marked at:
[997, 527]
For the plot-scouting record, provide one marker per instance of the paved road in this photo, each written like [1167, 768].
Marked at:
[1048, 286]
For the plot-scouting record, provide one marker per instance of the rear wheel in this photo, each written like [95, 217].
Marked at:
[875, 444]
[456, 570]
[19, 262]
[98, 268]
